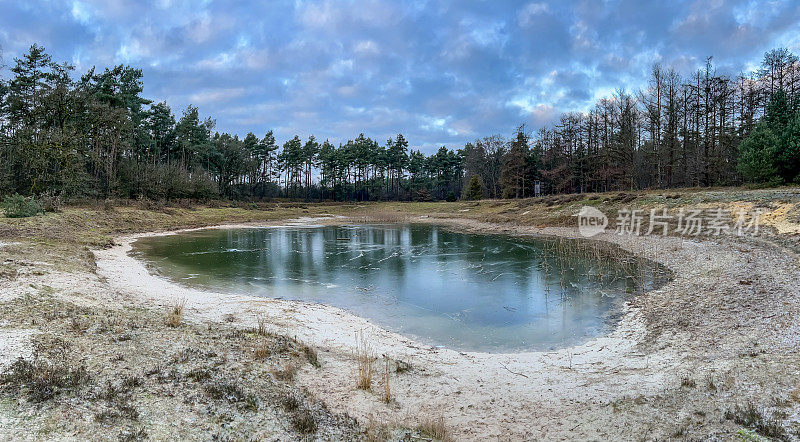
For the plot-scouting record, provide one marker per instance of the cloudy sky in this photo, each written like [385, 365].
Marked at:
[440, 72]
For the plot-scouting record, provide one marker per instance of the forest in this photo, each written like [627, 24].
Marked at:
[96, 136]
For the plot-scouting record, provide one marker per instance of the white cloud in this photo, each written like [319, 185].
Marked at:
[131, 51]
[210, 96]
[81, 12]
[368, 47]
[341, 68]
[531, 10]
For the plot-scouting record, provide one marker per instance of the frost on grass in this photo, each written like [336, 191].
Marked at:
[97, 372]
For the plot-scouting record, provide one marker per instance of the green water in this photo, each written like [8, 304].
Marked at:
[462, 291]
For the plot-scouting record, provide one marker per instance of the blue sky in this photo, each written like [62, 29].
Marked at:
[442, 73]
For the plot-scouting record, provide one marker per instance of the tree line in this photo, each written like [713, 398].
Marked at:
[706, 129]
[96, 136]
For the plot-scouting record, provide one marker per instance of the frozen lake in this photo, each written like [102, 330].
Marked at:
[463, 291]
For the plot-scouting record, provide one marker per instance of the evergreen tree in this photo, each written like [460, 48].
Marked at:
[514, 174]
[771, 153]
[161, 124]
[474, 189]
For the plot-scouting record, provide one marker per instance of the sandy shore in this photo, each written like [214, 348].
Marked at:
[728, 295]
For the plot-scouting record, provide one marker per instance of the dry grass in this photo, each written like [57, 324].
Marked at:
[175, 313]
[375, 431]
[262, 350]
[380, 216]
[434, 427]
[387, 392]
[310, 354]
[795, 394]
[364, 358]
[261, 328]
[285, 372]
[269, 343]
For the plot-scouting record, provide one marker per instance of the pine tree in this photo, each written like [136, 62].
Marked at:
[515, 167]
[474, 189]
[757, 153]
[771, 153]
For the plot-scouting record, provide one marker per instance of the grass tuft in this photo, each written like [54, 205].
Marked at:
[375, 431]
[304, 422]
[229, 391]
[387, 392]
[364, 359]
[435, 428]
[311, 355]
[262, 350]
[261, 329]
[285, 372]
[290, 402]
[752, 417]
[401, 367]
[175, 313]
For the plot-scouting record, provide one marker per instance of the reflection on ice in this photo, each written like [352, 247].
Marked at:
[465, 291]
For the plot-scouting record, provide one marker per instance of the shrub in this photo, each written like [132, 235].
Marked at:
[230, 391]
[451, 196]
[423, 195]
[203, 186]
[47, 374]
[17, 206]
[132, 434]
[50, 201]
[752, 417]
